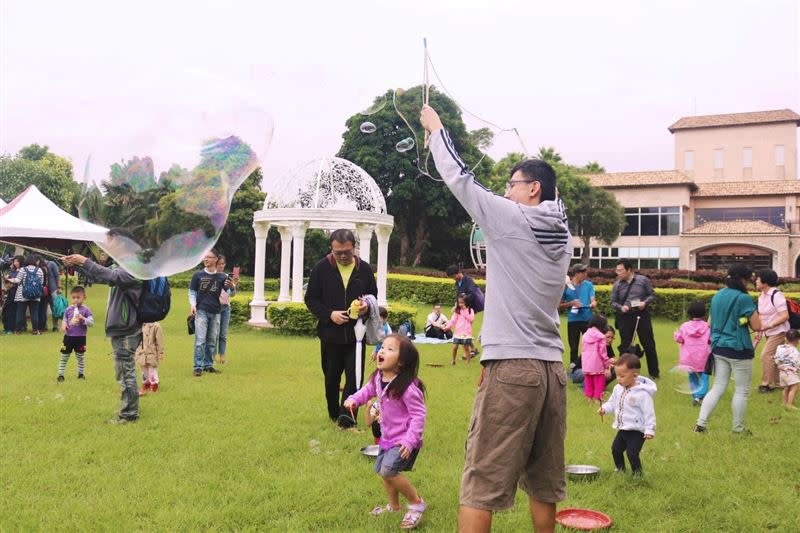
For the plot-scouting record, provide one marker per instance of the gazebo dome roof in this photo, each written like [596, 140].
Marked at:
[327, 183]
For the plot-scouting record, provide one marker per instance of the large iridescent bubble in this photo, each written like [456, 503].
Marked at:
[183, 143]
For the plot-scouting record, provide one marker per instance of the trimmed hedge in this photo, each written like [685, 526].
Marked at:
[415, 288]
[240, 308]
[294, 318]
[181, 281]
[694, 279]
[670, 303]
[422, 289]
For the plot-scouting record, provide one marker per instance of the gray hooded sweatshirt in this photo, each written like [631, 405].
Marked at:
[123, 298]
[528, 250]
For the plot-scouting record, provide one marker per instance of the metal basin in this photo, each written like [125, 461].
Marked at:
[582, 472]
[371, 451]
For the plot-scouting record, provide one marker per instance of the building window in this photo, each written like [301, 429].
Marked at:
[719, 162]
[772, 215]
[747, 157]
[652, 221]
[651, 257]
[779, 155]
[631, 221]
[719, 158]
[780, 162]
[688, 160]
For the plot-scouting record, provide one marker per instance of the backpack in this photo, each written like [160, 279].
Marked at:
[794, 310]
[154, 301]
[476, 300]
[32, 286]
[59, 306]
[406, 329]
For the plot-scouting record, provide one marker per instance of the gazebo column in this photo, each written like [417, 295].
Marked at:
[258, 305]
[382, 232]
[298, 238]
[286, 255]
[364, 232]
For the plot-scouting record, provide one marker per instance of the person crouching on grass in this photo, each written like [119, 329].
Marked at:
[631, 403]
[401, 406]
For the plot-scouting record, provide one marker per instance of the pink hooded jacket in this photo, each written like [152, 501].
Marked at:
[693, 337]
[594, 356]
[461, 322]
[402, 419]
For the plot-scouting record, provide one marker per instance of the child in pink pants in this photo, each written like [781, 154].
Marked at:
[594, 358]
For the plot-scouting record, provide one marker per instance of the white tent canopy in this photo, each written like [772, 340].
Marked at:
[32, 214]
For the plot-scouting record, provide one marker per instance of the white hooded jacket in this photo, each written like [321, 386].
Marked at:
[632, 407]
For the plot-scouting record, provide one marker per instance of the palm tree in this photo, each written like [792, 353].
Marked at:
[593, 167]
[549, 154]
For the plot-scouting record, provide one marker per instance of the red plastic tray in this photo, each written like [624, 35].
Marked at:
[583, 519]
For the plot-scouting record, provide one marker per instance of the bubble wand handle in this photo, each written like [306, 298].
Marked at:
[425, 82]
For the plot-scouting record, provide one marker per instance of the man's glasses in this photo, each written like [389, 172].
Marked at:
[512, 182]
[343, 253]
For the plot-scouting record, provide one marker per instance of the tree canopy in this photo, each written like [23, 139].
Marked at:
[36, 165]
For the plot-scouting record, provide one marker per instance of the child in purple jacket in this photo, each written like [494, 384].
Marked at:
[401, 413]
[77, 317]
[694, 336]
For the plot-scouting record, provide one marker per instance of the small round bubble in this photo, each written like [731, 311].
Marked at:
[367, 127]
[405, 145]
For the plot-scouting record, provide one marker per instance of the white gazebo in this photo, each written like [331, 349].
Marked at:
[329, 194]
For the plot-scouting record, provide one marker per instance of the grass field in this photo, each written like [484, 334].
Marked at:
[231, 452]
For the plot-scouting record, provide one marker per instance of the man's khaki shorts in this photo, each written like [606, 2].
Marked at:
[516, 434]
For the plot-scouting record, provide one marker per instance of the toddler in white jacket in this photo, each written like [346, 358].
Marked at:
[631, 403]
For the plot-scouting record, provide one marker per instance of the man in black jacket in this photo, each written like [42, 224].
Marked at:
[338, 279]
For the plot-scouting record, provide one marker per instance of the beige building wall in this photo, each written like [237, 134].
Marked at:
[653, 196]
[761, 138]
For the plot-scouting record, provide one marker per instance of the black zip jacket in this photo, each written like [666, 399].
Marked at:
[326, 293]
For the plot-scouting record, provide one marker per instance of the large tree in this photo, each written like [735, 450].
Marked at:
[36, 165]
[238, 242]
[424, 209]
[593, 212]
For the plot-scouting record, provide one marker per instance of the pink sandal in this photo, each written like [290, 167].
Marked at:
[414, 514]
[380, 509]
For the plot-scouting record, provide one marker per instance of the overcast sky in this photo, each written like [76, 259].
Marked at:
[597, 80]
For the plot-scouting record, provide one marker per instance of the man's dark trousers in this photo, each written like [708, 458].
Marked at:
[338, 358]
[626, 323]
[574, 332]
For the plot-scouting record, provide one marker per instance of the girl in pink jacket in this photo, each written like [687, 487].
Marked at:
[594, 358]
[461, 326]
[693, 336]
[401, 412]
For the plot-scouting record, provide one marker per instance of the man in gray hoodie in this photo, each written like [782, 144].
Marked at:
[518, 423]
[122, 326]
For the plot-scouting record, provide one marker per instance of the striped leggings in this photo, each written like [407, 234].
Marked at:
[62, 364]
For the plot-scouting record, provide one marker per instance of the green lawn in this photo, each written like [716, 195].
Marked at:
[231, 452]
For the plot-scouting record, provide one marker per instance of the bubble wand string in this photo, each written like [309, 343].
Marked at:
[37, 250]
